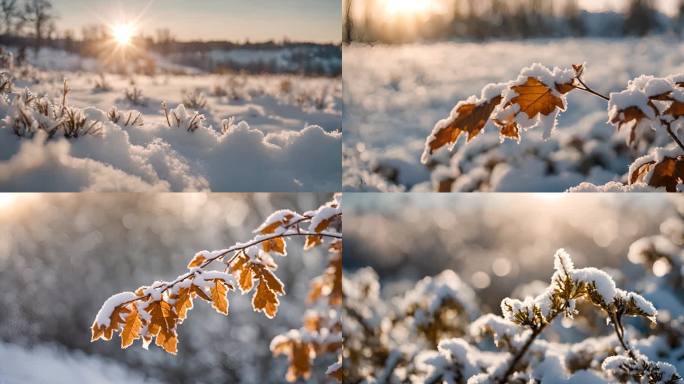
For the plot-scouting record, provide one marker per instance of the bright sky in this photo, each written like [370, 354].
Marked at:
[667, 6]
[256, 20]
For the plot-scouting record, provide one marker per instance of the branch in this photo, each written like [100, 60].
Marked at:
[241, 247]
[519, 355]
[588, 89]
[674, 137]
[667, 125]
[616, 319]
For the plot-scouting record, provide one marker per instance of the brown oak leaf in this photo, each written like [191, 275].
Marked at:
[470, 119]
[668, 173]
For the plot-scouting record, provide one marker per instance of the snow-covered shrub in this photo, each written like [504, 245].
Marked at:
[538, 95]
[134, 96]
[195, 100]
[179, 117]
[126, 120]
[102, 84]
[513, 348]
[28, 114]
[154, 312]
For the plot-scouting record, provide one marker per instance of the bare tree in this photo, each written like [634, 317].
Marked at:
[39, 15]
[641, 17]
[348, 22]
[11, 14]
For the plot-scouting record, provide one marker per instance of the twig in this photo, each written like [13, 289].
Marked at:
[588, 89]
[238, 249]
[667, 125]
[519, 355]
[674, 137]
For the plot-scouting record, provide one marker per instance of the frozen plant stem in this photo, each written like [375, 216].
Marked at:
[536, 331]
[616, 319]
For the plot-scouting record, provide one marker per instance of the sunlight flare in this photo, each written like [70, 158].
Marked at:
[123, 34]
[410, 8]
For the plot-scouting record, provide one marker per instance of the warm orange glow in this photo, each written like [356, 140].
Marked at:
[411, 8]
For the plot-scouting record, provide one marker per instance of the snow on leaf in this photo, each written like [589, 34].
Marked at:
[197, 261]
[300, 354]
[667, 173]
[468, 117]
[536, 98]
[276, 220]
[276, 245]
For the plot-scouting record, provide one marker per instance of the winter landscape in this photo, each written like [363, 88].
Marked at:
[405, 83]
[141, 100]
[70, 253]
[513, 288]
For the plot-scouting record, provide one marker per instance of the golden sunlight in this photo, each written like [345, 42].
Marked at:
[123, 34]
[6, 200]
[411, 8]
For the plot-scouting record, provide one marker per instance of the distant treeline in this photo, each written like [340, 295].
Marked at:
[32, 24]
[365, 21]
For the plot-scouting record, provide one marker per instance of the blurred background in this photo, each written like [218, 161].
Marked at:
[407, 20]
[499, 243]
[62, 255]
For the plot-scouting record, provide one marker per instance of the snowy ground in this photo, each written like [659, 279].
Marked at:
[290, 139]
[58, 366]
[397, 93]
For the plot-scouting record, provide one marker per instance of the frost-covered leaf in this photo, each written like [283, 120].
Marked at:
[300, 354]
[219, 299]
[162, 325]
[132, 327]
[468, 117]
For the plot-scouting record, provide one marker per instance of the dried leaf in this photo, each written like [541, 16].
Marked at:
[265, 300]
[132, 327]
[219, 300]
[675, 110]
[276, 245]
[300, 355]
[631, 117]
[329, 284]
[197, 261]
[115, 322]
[183, 302]
[312, 241]
[535, 98]
[162, 325]
[243, 273]
[668, 173]
[470, 118]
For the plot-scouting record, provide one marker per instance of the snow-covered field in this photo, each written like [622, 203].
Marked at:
[260, 133]
[396, 94]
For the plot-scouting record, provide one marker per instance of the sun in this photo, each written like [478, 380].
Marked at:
[415, 8]
[6, 200]
[123, 34]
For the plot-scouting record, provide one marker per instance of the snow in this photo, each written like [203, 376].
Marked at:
[104, 315]
[48, 364]
[281, 216]
[603, 283]
[260, 133]
[398, 93]
[642, 304]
